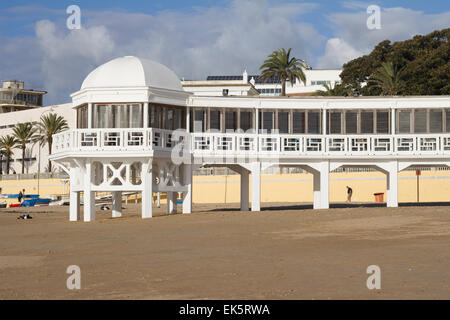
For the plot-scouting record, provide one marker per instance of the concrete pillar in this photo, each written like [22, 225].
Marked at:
[89, 196]
[321, 186]
[158, 199]
[187, 195]
[256, 186]
[74, 206]
[147, 193]
[145, 116]
[392, 185]
[171, 202]
[116, 204]
[90, 120]
[244, 190]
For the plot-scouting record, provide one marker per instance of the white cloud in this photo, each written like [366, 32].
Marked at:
[337, 52]
[397, 24]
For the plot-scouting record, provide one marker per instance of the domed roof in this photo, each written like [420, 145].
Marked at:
[131, 71]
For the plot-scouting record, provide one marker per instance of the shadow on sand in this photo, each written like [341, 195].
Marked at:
[342, 206]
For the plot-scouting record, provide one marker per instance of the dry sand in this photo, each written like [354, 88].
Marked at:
[228, 254]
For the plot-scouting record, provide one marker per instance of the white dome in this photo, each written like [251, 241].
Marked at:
[131, 71]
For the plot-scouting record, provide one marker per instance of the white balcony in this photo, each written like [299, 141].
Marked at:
[122, 142]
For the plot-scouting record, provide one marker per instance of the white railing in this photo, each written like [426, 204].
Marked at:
[241, 143]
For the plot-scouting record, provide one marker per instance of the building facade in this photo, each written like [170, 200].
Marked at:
[14, 97]
[138, 130]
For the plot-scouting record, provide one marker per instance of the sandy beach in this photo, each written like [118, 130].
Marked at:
[222, 253]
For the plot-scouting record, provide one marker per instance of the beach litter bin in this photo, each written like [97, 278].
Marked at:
[379, 197]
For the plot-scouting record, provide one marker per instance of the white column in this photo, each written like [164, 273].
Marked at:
[147, 193]
[188, 119]
[393, 121]
[171, 202]
[145, 115]
[116, 204]
[256, 186]
[90, 120]
[321, 186]
[89, 196]
[187, 195]
[158, 199]
[74, 206]
[244, 189]
[392, 185]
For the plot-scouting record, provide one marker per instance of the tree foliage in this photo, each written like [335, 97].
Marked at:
[424, 61]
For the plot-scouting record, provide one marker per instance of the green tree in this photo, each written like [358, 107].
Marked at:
[388, 78]
[281, 65]
[425, 59]
[49, 125]
[23, 132]
[7, 144]
[337, 90]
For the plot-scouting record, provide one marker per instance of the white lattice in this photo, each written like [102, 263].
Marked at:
[224, 143]
[291, 144]
[112, 139]
[405, 144]
[202, 142]
[88, 139]
[359, 144]
[247, 144]
[135, 138]
[382, 144]
[336, 144]
[268, 143]
[428, 144]
[313, 144]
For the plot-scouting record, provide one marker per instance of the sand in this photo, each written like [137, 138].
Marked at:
[227, 254]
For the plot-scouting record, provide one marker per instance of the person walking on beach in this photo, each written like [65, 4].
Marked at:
[20, 196]
[349, 194]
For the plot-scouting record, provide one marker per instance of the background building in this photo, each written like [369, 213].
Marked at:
[14, 97]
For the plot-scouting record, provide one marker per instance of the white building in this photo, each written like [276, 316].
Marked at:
[250, 85]
[138, 130]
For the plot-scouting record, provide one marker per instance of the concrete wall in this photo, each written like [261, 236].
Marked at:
[434, 186]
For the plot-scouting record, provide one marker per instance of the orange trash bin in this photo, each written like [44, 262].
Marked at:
[379, 197]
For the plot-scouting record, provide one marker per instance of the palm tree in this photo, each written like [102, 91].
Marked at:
[337, 90]
[280, 64]
[8, 143]
[388, 78]
[23, 132]
[49, 125]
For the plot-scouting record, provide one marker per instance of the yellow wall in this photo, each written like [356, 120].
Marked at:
[434, 186]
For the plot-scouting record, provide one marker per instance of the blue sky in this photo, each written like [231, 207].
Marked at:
[195, 38]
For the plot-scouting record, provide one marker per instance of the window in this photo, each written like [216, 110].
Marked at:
[214, 119]
[351, 122]
[230, 120]
[199, 121]
[266, 121]
[298, 119]
[283, 122]
[366, 122]
[335, 122]
[82, 117]
[246, 120]
[404, 121]
[314, 122]
[435, 121]
[383, 122]
[420, 121]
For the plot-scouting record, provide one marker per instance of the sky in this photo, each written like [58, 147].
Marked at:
[195, 38]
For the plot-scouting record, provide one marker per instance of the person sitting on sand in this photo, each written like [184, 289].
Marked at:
[349, 194]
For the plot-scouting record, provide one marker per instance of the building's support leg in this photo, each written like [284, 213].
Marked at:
[187, 195]
[147, 193]
[158, 199]
[244, 190]
[392, 185]
[256, 186]
[171, 202]
[74, 206]
[321, 186]
[89, 196]
[116, 204]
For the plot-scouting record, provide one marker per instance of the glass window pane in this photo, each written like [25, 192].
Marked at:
[283, 122]
[230, 120]
[335, 122]
[435, 121]
[420, 121]
[246, 120]
[351, 124]
[382, 122]
[199, 121]
[404, 119]
[298, 122]
[214, 121]
[314, 122]
[366, 122]
[268, 121]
